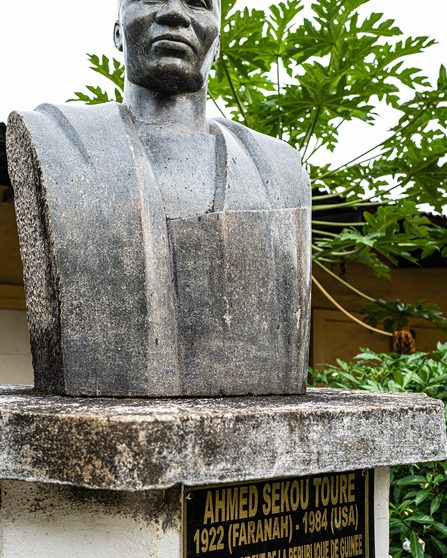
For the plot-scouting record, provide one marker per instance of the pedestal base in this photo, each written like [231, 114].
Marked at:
[134, 444]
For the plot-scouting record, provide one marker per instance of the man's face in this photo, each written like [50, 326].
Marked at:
[169, 45]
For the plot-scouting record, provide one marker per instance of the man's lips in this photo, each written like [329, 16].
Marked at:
[173, 39]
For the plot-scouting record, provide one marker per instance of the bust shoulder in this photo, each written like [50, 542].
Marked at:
[61, 133]
[66, 113]
[283, 160]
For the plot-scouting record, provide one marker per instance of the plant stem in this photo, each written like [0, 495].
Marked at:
[278, 91]
[328, 196]
[324, 233]
[235, 95]
[357, 203]
[337, 254]
[215, 103]
[363, 200]
[345, 312]
[345, 254]
[345, 283]
[320, 145]
[317, 147]
[311, 130]
[349, 163]
[333, 224]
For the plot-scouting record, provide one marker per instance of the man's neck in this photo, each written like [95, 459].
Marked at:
[186, 110]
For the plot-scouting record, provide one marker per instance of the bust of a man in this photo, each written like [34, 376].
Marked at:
[165, 254]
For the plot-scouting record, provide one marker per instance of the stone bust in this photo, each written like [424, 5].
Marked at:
[165, 254]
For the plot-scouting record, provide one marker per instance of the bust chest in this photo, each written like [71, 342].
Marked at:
[184, 165]
[212, 300]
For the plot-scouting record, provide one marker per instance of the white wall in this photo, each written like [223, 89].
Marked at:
[38, 521]
[15, 354]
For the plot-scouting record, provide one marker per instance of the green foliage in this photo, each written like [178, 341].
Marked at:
[418, 524]
[302, 79]
[372, 371]
[396, 315]
[112, 71]
[392, 232]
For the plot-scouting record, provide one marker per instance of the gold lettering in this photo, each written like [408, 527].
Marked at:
[260, 532]
[253, 501]
[317, 485]
[305, 496]
[351, 515]
[351, 546]
[242, 534]
[235, 533]
[335, 490]
[285, 502]
[267, 506]
[268, 529]
[276, 532]
[334, 548]
[351, 488]
[232, 505]
[276, 497]
[343, 486]
[219, 509]
[295, 495]
[209, 508]
[251, 532]
[243, 502]
[325, 491]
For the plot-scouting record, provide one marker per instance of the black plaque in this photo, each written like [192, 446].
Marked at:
[321, 516]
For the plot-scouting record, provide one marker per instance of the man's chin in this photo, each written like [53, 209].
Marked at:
[169, 79]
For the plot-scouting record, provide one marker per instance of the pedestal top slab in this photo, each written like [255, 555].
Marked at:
[137, 445]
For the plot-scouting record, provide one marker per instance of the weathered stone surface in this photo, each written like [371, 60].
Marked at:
[165, 254]
[136, 445]
[133, 293]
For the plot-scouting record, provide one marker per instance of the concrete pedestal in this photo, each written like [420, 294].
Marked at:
[96, 478]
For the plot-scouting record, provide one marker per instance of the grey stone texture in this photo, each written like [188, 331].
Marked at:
[133, 292]
[165, 254]
[136, 445]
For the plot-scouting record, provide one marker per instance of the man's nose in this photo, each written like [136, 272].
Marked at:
[172, 13]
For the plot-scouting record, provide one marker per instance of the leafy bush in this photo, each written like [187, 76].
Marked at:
[418, 505]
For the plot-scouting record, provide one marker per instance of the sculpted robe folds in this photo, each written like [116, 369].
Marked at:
[123, 301]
